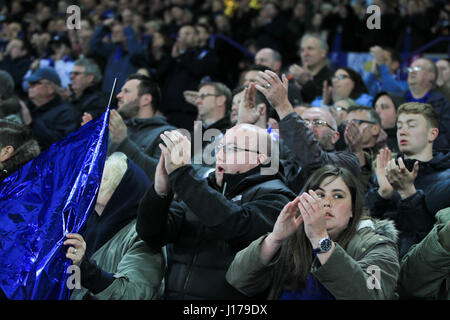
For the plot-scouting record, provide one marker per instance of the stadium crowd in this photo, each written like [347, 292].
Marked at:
[308, 175]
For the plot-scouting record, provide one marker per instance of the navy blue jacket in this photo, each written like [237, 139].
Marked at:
[414, 216]
[118, 60]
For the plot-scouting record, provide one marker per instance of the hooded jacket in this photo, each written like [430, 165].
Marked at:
[26, 152]
[141, 144]
[425, 269]
[414, 216]
[117, 263]
[205, 229]
[346, 274]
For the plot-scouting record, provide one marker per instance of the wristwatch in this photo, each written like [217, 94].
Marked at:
[325, 245]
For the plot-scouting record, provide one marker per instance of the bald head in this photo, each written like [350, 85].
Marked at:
[243, 148]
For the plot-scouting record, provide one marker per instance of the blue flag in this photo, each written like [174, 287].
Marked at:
[50, 196]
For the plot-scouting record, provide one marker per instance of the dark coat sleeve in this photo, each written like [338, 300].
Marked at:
[231, 222]
[307, 153]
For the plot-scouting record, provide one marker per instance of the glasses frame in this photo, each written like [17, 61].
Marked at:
[224, 148]
[416, 69]
[340, 77]
[206, 95]
[358, 122]
[318, 123]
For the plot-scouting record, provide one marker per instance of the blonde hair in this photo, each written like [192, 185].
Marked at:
[424, 109]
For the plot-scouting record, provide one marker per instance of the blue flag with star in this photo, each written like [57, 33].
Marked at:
[49, 197]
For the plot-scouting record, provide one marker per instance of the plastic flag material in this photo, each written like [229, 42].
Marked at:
[50, 196]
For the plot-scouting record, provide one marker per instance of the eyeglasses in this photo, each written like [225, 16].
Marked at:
[205, 95]
[337, 108]
[317, 123]
[359, 122]
[417, 69]
[228, 148]
[340, 77]
[76, 73]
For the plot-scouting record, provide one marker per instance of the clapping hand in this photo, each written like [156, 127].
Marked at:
[275, 91]
[177, 150]
[248, 104]
[385, 189]
[401, 178]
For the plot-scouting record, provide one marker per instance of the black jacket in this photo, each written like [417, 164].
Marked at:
[53, 121]
[180, 74]
[92, 101]
[17, 68]
[141, 144]
[205, 230]
[307, 155]
[414, 216]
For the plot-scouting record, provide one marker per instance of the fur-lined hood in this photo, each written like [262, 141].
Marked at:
[383, 227]
[22, 155]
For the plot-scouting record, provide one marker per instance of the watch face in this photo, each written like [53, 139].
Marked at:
[325, 245]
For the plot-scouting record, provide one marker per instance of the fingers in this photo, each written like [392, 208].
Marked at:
[77, 236]
[310, 205]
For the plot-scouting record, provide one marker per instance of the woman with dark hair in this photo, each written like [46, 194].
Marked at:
[347, 83]
[328, 251]
[386, 106]
[16, 147]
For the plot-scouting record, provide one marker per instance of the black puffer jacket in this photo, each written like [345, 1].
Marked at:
[209, 226]
[414, 216]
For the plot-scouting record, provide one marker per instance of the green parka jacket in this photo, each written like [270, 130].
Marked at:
[138, 269]
[348, 274]
[425, 268]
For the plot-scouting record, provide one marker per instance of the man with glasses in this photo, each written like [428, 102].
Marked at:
[422, 76]
[87, 96]
[364, 137]
[214, 217]
[213, 103]
[311, 142]
[51, 118]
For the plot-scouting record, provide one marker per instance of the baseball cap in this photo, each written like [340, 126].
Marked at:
[44, 73]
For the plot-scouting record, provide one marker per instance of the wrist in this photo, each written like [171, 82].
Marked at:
[316, 238]
[405, 193]
[283, 109]
[385, 193]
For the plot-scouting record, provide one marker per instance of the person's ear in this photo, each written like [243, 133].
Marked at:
[221, 100]
[90, 79]
[145, 99]
[433, 134]
[262, 109]
[335, 137]
[6, 153]
[376, 130]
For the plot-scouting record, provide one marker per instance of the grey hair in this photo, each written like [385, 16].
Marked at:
[322, 43]
[90, 67]
[117, 165]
